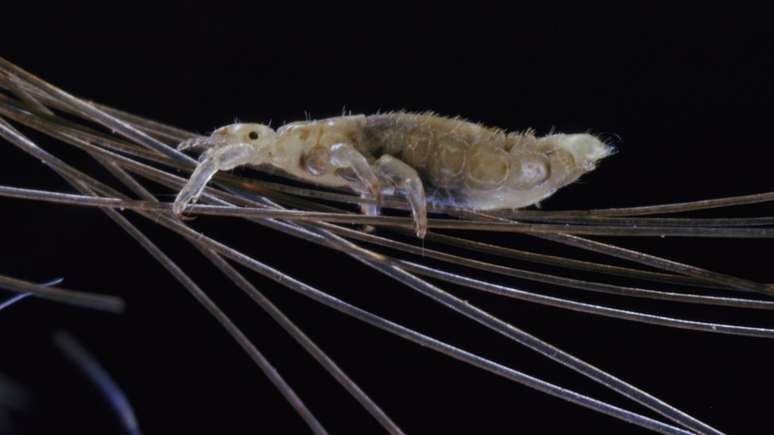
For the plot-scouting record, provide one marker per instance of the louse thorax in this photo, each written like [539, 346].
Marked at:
[303, 149]
[468, 165]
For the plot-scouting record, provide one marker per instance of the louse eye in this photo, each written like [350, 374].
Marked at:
[253, 135]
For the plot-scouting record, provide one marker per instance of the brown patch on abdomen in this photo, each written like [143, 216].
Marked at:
[438, 148]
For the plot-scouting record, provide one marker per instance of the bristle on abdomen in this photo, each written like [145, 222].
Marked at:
[482, 167]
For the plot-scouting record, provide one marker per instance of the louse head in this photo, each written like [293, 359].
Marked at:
[255, 134]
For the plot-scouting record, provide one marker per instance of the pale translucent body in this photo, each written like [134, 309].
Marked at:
[428, 158]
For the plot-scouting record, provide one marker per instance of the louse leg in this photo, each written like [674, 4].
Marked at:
[215, 159]
[345, 156]
[406, 179]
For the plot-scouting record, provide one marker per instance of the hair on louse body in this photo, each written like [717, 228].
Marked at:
[428, 158]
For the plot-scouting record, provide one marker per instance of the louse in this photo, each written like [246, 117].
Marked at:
[127, 205]
[459, 164]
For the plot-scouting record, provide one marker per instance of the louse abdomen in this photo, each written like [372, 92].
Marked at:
[441, 149]
[465, 163]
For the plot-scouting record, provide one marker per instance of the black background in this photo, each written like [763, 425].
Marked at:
[688, 98]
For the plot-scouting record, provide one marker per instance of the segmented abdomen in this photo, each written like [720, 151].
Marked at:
[448, 153]
[465, 164]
